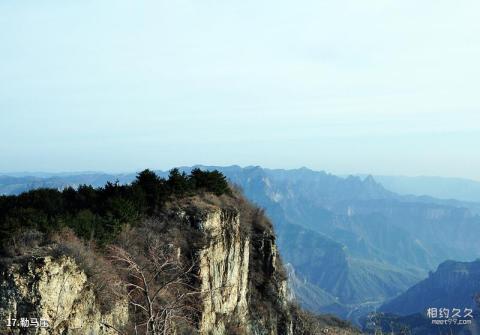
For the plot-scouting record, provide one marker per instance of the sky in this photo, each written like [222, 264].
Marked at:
[380, 87]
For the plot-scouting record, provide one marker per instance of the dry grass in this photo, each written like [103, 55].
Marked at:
[101, 275]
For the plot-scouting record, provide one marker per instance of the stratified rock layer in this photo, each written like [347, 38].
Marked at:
[55, 290]
[224, 272]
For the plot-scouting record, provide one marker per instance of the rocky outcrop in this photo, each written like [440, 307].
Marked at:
[55, 290]
[229, 262]
[238, 271]
[242, 281]
[224, 267]
[183, 255]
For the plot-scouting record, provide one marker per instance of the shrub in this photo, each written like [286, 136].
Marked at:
[100, 213]
[101, 275]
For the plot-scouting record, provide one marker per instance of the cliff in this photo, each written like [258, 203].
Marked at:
[232, 259]
[238, 272]
[224, 267]
[55, 290]
[179, 256]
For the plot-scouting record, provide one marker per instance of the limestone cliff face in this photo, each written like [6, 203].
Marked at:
[239, 274]
[227, 270]
[224, 272]
[55, 290]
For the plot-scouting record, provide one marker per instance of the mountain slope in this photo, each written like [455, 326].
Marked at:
[326, 264]
[448, 295]
[181, 255]
[384, 242]
[377, 243]
[452, 285]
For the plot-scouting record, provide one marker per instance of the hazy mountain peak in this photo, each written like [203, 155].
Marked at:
[453, 284]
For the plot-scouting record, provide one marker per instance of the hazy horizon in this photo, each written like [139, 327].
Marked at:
[346, 87]
[32, 173]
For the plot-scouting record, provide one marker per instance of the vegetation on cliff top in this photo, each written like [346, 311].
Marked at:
[98, 214]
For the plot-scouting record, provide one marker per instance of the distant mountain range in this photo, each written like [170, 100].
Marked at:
[452, 285]
[461, 189]
[438, 187]
[451, 288]
[358, 242]
[17, 184]
[351, 244]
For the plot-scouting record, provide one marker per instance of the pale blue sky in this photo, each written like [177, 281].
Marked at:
[382, 87]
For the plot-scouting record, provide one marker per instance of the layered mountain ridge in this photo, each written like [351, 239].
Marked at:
[452, 285]
[446, 302]
[180, 255]
[351, 243]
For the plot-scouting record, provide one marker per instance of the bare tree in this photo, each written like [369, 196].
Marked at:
[158, 287]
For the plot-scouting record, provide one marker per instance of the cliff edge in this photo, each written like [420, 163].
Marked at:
[146, 258]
